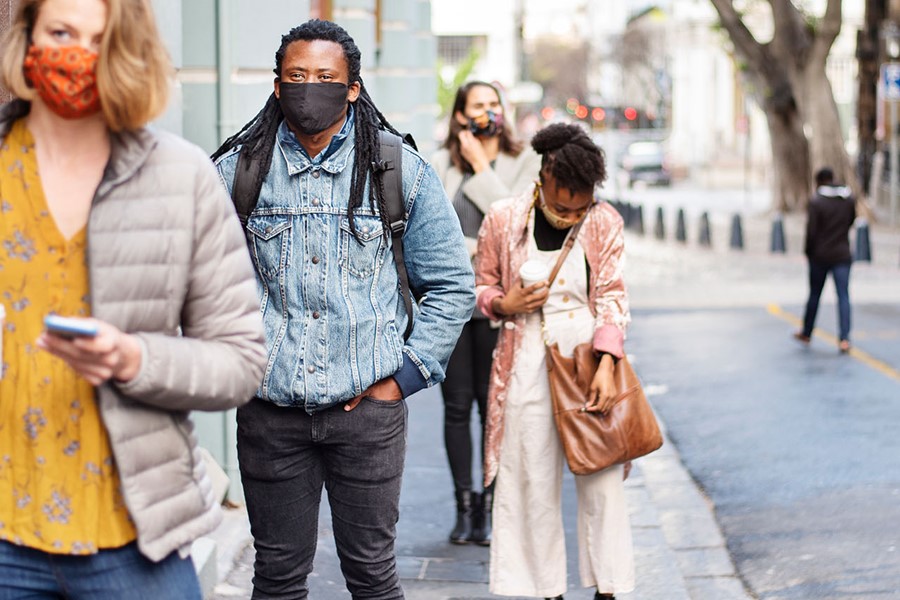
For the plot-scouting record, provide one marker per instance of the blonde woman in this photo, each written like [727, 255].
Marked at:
[102, 490]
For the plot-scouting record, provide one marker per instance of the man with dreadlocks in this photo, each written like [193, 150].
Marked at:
[330, 409]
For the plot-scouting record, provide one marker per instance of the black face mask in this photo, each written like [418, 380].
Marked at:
[312, 107]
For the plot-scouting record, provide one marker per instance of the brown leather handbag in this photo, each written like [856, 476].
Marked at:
[593, 441]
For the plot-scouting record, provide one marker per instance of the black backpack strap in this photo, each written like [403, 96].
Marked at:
[391, 166]
[244, 188]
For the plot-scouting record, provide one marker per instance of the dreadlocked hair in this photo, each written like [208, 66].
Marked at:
[257, 137]
[569, 155]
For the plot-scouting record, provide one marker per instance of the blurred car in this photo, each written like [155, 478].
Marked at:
[645, 161]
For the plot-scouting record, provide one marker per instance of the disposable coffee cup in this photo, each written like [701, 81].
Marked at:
[533, 271]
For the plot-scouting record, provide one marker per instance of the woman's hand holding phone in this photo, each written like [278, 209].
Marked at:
[108, 354]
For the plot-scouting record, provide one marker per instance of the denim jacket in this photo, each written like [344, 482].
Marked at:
[331, 305]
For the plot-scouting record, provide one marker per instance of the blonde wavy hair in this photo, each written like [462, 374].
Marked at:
[134, 73]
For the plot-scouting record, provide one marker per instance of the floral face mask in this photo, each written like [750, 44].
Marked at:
[65, 79]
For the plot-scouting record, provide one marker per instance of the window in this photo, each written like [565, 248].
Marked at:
[453, 49]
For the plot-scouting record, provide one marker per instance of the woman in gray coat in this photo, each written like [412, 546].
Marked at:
[128, 236]
[481, 162]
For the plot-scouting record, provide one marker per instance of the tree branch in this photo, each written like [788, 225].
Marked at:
[791, 35]
[744, 43]
[827, 32]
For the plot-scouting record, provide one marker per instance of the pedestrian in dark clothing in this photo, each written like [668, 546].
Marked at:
[831, 214]
[480, 163]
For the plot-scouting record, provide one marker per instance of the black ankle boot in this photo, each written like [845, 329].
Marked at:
[557, 598]
[462, 531]
[482, 521]
[599, 596]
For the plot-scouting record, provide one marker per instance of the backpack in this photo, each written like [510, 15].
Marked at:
[245, 196]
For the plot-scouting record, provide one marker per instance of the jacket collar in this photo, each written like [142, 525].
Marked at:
[129, 151]
[834, 191]
[333, 159]
[522, 221]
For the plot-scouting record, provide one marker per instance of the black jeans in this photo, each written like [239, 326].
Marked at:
[286, 456]
[468, 375]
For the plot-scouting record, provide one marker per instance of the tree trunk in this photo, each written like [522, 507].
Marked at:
[790, 156]
[790, 73]
[826, 138]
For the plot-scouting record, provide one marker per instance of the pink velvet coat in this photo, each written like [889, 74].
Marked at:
[503, 243]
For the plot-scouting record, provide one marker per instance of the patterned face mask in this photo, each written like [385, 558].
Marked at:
[65, 79]
[487, 124]
[555, 220]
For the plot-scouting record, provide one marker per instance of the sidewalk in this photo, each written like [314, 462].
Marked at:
[679, 550]
[757, 218]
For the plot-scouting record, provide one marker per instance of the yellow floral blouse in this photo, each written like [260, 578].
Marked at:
[59, 488]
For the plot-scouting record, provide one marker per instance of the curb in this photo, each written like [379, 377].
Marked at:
[685, 518]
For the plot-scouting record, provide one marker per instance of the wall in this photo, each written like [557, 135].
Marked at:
[225, 54]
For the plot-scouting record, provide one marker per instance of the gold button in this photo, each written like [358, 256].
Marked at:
[565, 298]
[571, 315]
[562, 281]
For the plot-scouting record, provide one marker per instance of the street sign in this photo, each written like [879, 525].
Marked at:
[890, 78]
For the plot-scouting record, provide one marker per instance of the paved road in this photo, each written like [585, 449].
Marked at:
[796, 447]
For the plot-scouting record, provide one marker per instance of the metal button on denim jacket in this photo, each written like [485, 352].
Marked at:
[330, 301]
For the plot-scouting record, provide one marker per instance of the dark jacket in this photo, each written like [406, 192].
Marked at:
[831, 214]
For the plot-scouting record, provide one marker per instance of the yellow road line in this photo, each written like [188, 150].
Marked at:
[861, 356]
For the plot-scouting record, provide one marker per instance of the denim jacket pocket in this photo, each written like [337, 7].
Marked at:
[363, 253]
[269, 242]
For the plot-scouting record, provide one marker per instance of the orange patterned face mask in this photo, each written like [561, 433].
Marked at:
[65, 79]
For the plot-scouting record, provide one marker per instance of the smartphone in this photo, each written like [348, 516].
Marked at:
[69, 328]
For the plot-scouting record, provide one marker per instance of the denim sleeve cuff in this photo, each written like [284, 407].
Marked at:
[609, 339]
[409, 378]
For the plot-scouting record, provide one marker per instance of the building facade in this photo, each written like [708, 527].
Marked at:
[224, 54]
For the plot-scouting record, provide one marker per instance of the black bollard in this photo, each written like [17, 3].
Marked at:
[680, 229]
[627, 214]
[637, 219]
[705, 234]
[778, 234]
[659, 230]
[863, 248]
[737, 233]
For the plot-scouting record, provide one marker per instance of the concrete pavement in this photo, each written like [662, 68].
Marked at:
[680, 553]
[680, 550]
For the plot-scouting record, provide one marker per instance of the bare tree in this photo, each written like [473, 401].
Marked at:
[788, 74]
[561, 67]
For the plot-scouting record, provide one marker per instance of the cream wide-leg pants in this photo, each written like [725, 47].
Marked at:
[528, 552]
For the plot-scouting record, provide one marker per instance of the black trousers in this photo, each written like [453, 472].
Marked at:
[468, 375]
[287, 456]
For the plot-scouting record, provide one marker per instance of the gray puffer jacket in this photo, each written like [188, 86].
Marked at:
[168, 262]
